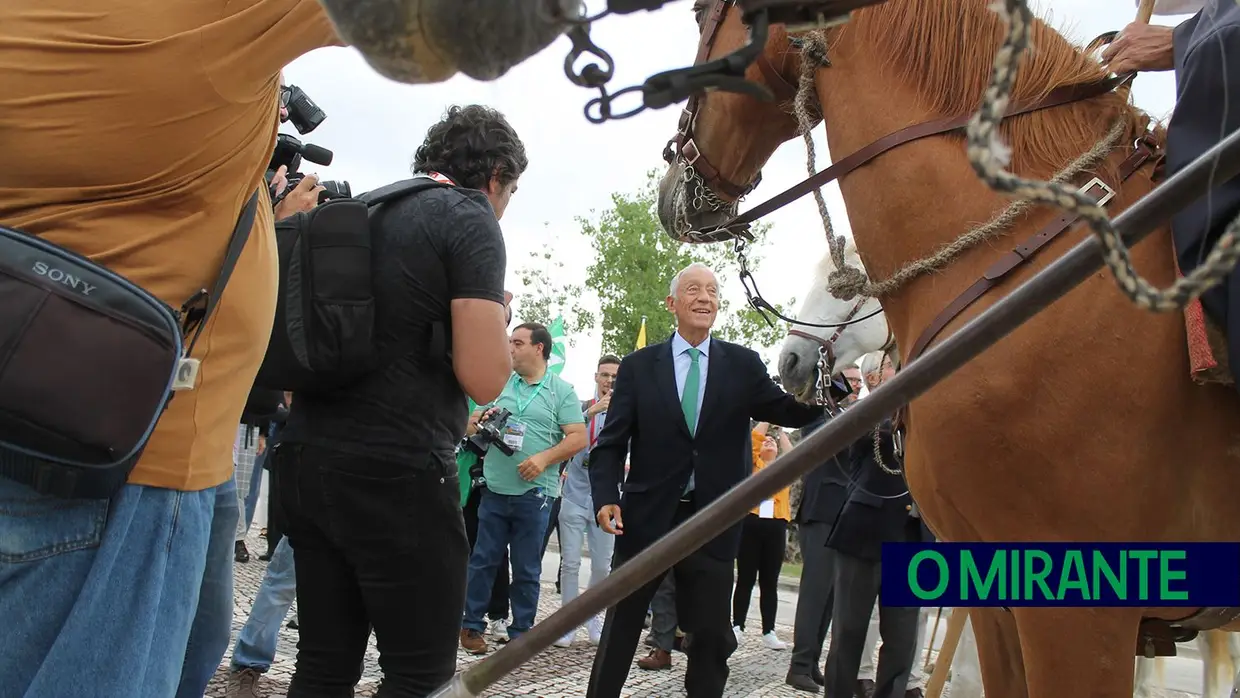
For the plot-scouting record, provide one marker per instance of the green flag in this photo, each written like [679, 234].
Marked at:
[559, 347]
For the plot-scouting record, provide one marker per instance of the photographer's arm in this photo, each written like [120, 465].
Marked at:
[476, 261]
[574, 440]
[420, 41]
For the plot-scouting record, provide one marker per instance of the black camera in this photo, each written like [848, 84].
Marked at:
[302, 111]
[290, 151]
[491, 432]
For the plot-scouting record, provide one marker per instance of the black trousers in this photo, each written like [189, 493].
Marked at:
[703, 588]
[375, 544]
[763, 542]
[498, 610]
[856, 592]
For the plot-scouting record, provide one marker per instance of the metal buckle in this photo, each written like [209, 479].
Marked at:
[1108, 192]
[690, 147]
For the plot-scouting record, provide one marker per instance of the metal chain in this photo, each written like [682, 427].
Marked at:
[989, 156]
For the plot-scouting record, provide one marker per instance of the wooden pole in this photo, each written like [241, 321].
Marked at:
[934, 632]
[1144, 12]
[955, 627]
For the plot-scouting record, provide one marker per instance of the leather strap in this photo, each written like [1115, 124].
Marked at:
[683, 141]
[1143, 152]
[1060, 96]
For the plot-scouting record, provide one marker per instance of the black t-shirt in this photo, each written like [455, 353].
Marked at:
[428, 248]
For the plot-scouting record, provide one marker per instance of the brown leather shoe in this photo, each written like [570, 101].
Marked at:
[657, 660]
[865, 688]
[473, 642]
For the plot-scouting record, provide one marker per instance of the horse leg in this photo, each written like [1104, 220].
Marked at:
[967, 669]
[1078, 651]
[998, 649]
[1218, 663]
[1147, 673]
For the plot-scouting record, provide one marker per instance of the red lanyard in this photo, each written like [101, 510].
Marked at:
[441, 178]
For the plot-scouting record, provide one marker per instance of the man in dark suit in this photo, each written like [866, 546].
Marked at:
[879, 510]
[683, 409]
[823, 494]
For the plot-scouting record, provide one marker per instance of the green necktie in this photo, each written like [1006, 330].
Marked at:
[689, 398]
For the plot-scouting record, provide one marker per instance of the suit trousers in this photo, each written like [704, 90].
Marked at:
[703, 600]
[663, 615]
[856, 592]
[816, 597]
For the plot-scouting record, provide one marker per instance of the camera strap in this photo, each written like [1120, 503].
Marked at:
[197, 310]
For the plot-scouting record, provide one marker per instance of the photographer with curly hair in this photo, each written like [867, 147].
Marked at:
[367, 473]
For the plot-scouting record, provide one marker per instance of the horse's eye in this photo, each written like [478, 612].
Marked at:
[699, 12]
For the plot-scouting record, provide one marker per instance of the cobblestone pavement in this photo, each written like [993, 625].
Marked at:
[757, 672]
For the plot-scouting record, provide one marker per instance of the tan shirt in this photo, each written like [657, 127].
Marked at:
[132, 132]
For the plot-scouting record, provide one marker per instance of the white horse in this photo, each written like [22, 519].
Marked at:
[798, 358]
[844, 345]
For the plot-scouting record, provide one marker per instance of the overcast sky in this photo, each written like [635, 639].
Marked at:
[375, 125]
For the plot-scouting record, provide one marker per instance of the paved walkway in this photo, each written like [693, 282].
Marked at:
[757, 672]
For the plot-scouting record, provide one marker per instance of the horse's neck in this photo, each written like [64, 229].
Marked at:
[909, 202]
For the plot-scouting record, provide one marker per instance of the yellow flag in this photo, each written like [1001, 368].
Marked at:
[641, 335]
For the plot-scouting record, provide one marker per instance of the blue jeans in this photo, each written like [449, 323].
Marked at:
[98, 596]
[256, 643]
[517, 523]
[212, 627]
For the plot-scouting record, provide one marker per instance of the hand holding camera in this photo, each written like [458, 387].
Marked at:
[303, 197]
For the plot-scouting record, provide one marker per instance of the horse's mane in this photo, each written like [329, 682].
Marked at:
[943, 49]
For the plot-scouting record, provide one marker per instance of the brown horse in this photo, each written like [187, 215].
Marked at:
[1083, 425]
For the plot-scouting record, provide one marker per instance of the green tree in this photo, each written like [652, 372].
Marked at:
[634, 263]
[545, 295]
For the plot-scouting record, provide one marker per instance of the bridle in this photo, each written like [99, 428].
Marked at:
[827, 345]
[683, 146]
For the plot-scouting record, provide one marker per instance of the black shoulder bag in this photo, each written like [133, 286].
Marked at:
[88, 363]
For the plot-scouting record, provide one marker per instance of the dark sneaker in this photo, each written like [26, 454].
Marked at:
[242, 553]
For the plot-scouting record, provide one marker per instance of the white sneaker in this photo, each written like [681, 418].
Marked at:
[740, 634]
[772, 641]
[567, 640]
[594, 629]
[499, 630]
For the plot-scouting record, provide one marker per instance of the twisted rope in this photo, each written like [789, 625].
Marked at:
[847, 282]
[989, 156]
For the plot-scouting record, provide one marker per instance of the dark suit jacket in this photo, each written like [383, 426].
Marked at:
[1207, 105]
[824, 490]
[645, 420]
[878, 509]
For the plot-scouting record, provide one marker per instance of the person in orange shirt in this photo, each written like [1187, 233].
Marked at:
[764, 538]
[136, 130]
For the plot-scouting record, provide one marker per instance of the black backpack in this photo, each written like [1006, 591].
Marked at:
[323, 336]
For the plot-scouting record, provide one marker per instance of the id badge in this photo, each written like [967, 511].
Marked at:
[514, 435]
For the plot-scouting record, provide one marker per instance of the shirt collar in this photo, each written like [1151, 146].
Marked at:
[681, 345]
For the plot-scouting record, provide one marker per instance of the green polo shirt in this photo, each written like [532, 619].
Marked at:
[539, 410]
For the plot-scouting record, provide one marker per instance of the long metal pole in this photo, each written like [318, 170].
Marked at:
[1222, 162]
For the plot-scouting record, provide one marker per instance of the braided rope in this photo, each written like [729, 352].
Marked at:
[847, 282]
[989, 156]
